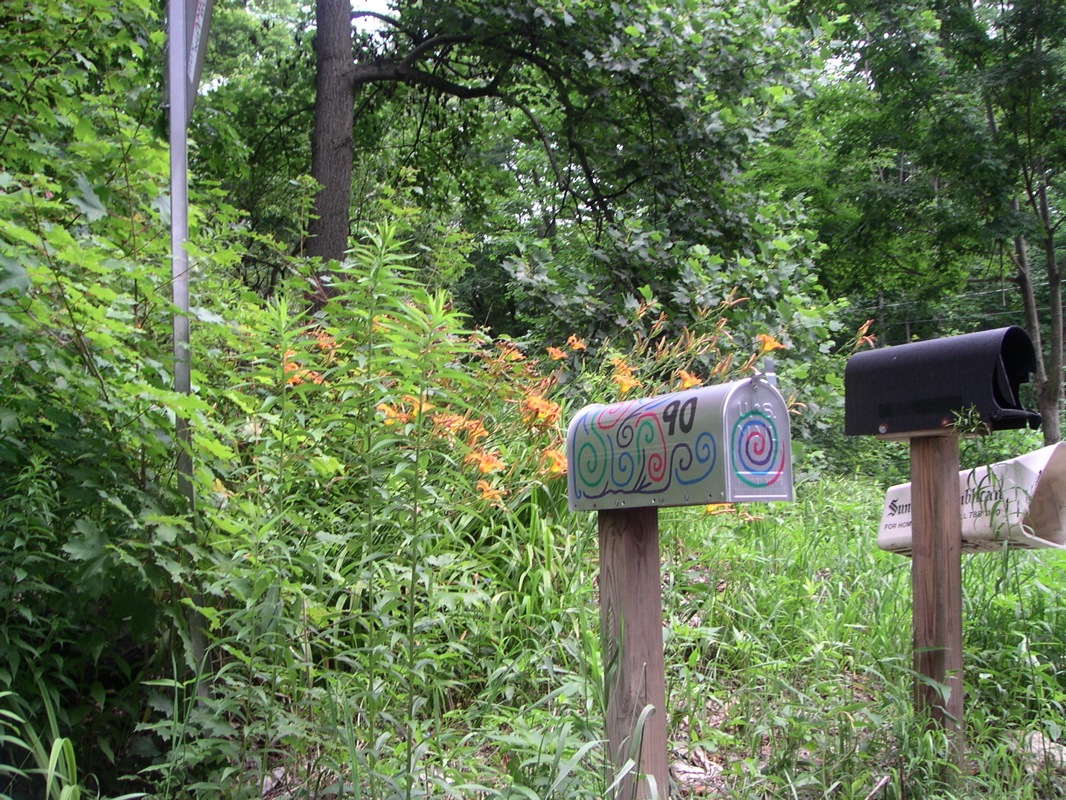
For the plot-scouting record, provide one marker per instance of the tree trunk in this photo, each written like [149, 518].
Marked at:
[331, 140]
[1049, 394]
[1047, 380]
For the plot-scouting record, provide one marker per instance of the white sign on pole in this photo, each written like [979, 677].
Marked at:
[197, 20]
[1020, 503]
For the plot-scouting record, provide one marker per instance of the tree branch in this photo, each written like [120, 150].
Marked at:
[395, 72]
[443, 40]
[405, 71]
[375, 15]
[272, 131]
[515, 103]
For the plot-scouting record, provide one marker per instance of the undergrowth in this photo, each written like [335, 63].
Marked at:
[396, 600]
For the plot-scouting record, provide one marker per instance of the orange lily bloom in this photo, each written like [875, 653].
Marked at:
[556, 462]
[688, 380]
[768, 343]
[486, 462]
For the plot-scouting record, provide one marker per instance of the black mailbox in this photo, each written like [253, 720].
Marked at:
[923, 386]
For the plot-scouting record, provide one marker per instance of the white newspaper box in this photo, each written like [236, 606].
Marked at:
[1020, 503]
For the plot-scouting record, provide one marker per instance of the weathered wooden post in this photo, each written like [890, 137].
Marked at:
[716, 444]
[936, 582]
[925, 392]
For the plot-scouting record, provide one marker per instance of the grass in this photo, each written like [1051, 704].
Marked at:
[789, 658]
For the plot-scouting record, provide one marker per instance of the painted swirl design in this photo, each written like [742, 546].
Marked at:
[706, 457]
[625, 449]
[758, 457]
[589, 463]
[722, 443]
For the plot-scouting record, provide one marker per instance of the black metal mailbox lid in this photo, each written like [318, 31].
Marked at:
[924, 386]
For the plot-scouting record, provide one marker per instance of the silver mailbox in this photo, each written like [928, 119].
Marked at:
[715, 444]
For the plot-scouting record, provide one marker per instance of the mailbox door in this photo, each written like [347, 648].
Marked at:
[760, 451]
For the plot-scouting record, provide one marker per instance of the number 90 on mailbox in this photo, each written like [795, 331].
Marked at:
[714, 444]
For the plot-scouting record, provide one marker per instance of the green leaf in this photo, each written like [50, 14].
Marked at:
[87, 202]
[13, 276]
[9, 420]
[90, 545]
[214, 447]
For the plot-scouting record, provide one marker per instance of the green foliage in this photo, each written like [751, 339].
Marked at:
[346, 550]
[94, 561]
[68, 75]
[932, 161]
[397, 603]
[250, 128]
[585, 152]
[885, 226]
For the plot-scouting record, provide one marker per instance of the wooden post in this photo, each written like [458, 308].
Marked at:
[631, 625]
[936, 581]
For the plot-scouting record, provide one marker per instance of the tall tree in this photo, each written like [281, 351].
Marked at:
[331, 141]
[645, 118]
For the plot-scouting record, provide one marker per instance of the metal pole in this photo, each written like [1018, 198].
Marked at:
[179, 231]
[180, 103]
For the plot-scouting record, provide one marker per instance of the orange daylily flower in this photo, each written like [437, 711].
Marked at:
[535, 409]
[295, 374]
[741, 513]
[556, 354]
[714, 509]
[688, 380]
[623, 375]
[418, 405]
[475, 430]
[486, 462]
[325, 341]
[556, 462]
[508, 352]
[575, 343]
[625, 382]
[861, 336]
[768, 343]
[393, 416]
[449, 422]
[490, 492]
